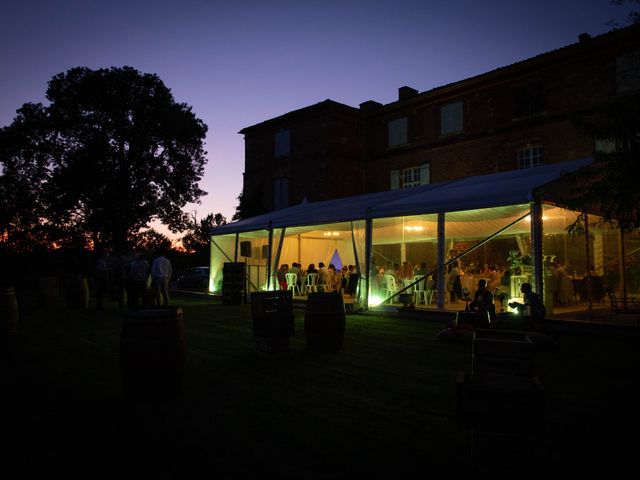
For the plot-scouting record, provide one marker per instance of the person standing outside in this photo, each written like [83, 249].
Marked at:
[160, 276]
[137, 273]
[101, 279]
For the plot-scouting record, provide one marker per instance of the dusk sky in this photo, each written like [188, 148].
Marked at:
[238, 63]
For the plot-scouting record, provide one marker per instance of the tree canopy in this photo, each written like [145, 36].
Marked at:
[610, 186]
[111, 152]
[197, 238]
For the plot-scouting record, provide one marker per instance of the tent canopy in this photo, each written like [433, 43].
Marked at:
[471, 193]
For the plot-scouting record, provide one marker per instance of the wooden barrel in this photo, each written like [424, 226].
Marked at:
[153, 353]
[77, 292]
[8, 313]
[48, 291]
[325, 321]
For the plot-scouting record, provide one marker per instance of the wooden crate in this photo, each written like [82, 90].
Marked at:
[502, 352]
[500, 403]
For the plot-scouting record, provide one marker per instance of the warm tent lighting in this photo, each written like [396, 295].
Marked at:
[528, 218]
[374, 300]
[414, 228]
[331, 234]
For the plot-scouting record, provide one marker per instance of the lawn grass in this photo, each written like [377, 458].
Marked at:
[384, 405]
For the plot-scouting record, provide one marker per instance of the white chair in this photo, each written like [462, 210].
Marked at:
[390, 286]
[430, 291]
[311, 283]
[419, 290]
[292, 283]
[323, 286]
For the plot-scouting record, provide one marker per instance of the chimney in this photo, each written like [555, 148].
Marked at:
[406, 92]
[583, 37]
[369, 105]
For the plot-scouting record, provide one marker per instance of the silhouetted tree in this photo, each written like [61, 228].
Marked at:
[196, 240]
[633, 16]
[611, 184]
[248, 208]
[150, 240]
[110, 153]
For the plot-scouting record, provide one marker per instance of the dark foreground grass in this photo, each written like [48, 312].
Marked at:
[384, 406]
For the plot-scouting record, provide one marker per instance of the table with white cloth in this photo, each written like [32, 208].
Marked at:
[470, 282]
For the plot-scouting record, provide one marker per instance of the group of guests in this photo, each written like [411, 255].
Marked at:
[561, 286]
[401, 272]
[330, 279]
[495, 277]
[141, 283]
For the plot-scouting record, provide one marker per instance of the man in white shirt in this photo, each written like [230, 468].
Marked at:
[160, 275]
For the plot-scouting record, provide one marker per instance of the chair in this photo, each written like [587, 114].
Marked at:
[311, 283]
[390, 287]
[419, 290]
[321, 285]
[292, 283]
[430, 290]
[622, 306]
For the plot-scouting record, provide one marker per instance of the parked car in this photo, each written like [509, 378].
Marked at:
[197, 277]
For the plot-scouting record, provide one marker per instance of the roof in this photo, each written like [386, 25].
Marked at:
[512, 187]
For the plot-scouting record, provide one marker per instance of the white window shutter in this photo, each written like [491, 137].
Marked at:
[395, 179]
[425, 173]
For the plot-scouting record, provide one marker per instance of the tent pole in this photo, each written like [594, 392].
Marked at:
[269, 256]
[621, 262]
[368, 236]
[588, 255]
[440, 287]
[536, 247]
[235, 251]
[355, 256]
[276, 264]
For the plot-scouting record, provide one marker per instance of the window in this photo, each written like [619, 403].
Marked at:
[411, 177]
[530, 100]
[531, 157]
[605, 145]
[451, 118]
[397, 132]
[280, 193]
[282, 143]
[628, 72]
[612, 145]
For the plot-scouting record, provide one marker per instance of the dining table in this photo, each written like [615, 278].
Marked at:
[470, 282]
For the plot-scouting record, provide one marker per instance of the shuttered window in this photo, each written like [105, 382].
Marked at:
[451, 118]
[397, 132]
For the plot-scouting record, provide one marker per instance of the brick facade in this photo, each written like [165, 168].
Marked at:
[337, 150]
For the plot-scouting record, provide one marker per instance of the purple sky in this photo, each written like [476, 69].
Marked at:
[240, 62]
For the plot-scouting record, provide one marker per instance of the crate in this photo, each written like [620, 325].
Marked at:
[233, 274]
[502, 352]
[272, 314]
[500, 454]
[500, 403]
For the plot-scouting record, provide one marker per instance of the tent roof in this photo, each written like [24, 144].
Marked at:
[483, 191]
